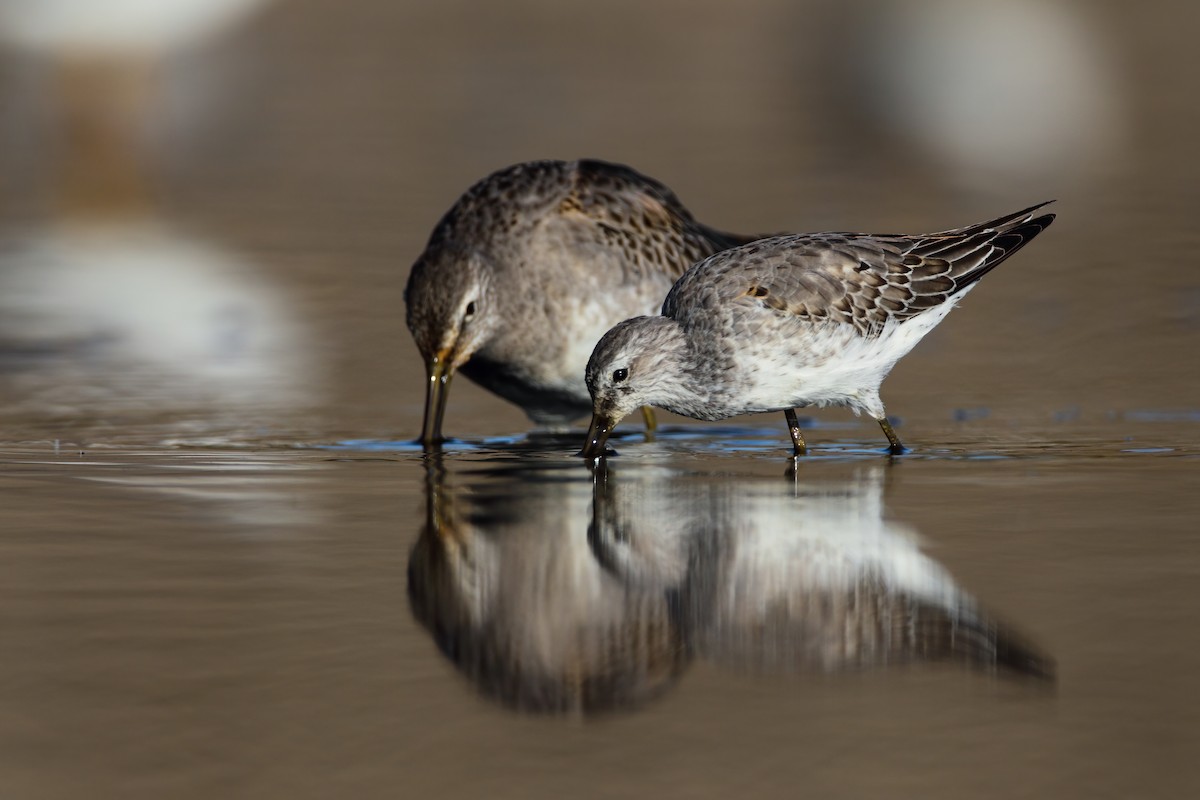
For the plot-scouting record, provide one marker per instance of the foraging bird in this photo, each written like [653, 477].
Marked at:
[527, 270]
[810, 319]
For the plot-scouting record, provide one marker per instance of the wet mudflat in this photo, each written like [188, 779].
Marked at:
[363, 618]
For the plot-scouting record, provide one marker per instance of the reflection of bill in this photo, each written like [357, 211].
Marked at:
[549, 605]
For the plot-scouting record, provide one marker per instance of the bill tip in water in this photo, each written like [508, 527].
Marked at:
[596, 455]
[597, 436]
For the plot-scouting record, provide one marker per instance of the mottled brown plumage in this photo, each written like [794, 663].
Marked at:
[789, 321]
[531, 265]
[863, 280]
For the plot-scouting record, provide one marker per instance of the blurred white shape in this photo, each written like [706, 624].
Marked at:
[137, 309]
[989, 88]
[117, 26]
[108, 310]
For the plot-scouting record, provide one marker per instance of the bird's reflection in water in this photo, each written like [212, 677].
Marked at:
[504, 579]
[560, 595]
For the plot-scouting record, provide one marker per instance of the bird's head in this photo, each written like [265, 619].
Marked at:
[451, 314]
[637, 363]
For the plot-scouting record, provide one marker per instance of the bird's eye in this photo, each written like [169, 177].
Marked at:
[470, 311]
[620, 375]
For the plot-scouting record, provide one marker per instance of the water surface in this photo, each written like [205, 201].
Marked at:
[203, 621]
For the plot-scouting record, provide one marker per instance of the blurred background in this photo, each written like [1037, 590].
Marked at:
[208, 212]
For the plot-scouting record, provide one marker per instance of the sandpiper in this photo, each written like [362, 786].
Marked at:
[527, 270]
[789, 321]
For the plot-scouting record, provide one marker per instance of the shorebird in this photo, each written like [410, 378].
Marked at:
[527, 270]
[784, 322]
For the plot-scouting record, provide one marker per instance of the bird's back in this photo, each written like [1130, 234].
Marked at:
[642, 219]
[863, 280]
[816, 319]
[587, 212]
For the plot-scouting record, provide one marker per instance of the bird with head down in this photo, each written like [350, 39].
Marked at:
[813, 319]
[527, 270]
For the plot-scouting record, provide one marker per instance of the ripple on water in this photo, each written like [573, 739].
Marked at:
[723, 442]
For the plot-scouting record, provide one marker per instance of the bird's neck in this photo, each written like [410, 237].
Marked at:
[691, 382]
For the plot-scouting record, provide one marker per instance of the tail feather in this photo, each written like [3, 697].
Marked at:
[976, 250]
[1003, 223]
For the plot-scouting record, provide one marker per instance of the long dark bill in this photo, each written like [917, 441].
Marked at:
[436, 391]
[597, 435]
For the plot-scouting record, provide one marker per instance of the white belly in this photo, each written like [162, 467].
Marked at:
[829, 365]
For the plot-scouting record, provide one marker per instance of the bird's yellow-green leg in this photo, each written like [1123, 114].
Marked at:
[651, 422]
[798, 445]
[894, 446]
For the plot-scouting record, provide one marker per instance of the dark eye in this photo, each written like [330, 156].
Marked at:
[620, 375]
[470, 312]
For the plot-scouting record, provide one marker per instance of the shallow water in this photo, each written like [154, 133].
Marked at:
[227, 571]
[196, 622]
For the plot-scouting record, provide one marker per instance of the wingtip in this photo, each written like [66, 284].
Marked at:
[1018, 657]
[1028, 212]
[1024, 221]
[1005, 223]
